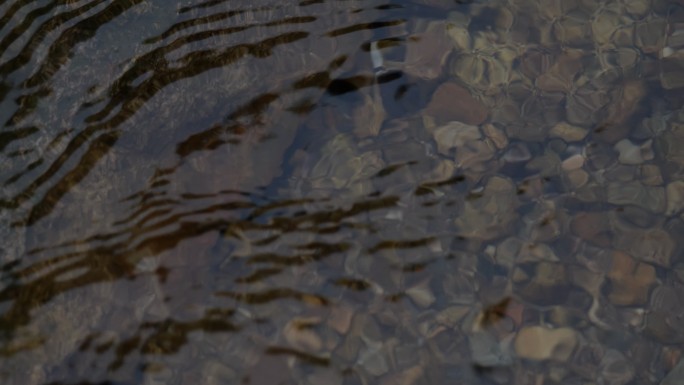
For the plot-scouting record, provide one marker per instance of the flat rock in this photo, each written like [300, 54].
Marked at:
[454, 135]
[654, 246]
[542, 283]
[593, 227]
[427, 54]
[651, 198]
[630, 153]
[630, 280]
[453, 102]
[568, 132]
[538, 343]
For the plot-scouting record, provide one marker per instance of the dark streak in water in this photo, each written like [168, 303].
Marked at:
[365, 27]
[271, 295]
[428, 188]
[68, 36]
[306, 357]
[401, 244]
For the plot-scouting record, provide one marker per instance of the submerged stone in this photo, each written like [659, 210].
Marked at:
[455, 135]
[538, 343]
[635, 193]
[650, 245]
[675, 376]
[453, 102]
[663, 320]
[630, 153]
[568, 132]
[675, 197]
[630, 281]
[543, 283]
[427, 52]
[489, 214]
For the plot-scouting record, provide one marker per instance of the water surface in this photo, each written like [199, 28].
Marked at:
[341, 192]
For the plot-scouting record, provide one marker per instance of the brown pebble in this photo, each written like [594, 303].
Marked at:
[593, 227]
[630, 280]
[453, 102]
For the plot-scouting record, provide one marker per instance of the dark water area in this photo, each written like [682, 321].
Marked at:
[341, 192]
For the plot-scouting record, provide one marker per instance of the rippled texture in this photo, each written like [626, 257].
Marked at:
[140, 139]
[341, 192]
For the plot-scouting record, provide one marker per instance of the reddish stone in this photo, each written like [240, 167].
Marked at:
[453, 102]
[593, 227]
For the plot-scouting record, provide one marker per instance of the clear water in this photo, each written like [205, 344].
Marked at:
[224, 192]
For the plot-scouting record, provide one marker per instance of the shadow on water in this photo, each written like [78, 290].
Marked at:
[147, 197]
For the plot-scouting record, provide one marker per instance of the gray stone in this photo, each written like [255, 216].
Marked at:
[616, 369]
[635, 193]
[630, 153]
[649, 245]
[675, 376]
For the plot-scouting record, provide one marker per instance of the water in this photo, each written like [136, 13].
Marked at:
[342, 192]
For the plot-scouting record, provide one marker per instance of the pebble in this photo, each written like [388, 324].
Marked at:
[578, 178]
[373, 360]
[635, 193]
[650, 175]
[662, 321]
[652, 245]
[675, 376]
[517, 152]
[507, 251]
[455, 135]
[568, 132]
[538, 343]
[452, 315]
[593, 227]
[340, 318]
[650, 34]
[574, 162]
[474, 156]
[426, 56]
[496, 135]
[630, 281]
[421, 294]
[452, 102]
[638, 8]
[616, 369]
[543, 283]
[675, 197]
[629, 152]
